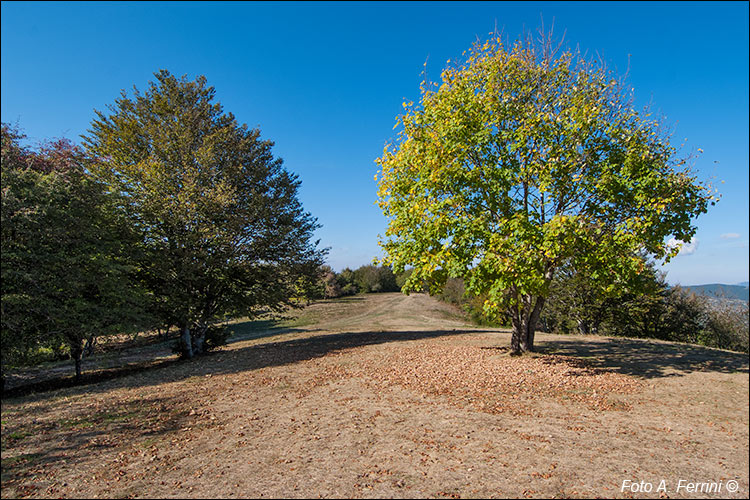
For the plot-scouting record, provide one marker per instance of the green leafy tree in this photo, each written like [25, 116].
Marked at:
[310, 284]
[370, 279]
[222, 229]
[522, 159]
[66, 255]
[646, 307]
[578, 302]
[346, 282]
[729, 325]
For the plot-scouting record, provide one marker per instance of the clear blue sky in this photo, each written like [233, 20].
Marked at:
[325, 81]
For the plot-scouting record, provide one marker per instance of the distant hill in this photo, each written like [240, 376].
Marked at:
[718, 290]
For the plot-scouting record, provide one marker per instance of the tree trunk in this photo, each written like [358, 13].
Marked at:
[534, 320]
[76, 352]
[583, 327]
[515, 337]
[187, 343]
[525, 320]
[88, 346]
[199, 339]
[526, 335]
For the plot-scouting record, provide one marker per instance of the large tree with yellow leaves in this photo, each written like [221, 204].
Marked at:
[523, 158]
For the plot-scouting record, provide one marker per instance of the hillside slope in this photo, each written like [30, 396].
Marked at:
[737, 292]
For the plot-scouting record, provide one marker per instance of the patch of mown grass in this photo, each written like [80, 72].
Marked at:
[18, 435]
[149, 442]
[97, 419]
[260, 328]
[120, 417]
[10, 439]
[270, 324]
[302, 320]
[76, 423]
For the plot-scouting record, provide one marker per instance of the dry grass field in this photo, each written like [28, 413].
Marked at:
[391, 396]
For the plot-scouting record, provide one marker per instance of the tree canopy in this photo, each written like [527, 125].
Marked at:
[222, 229]
[524, 158]
[66, 273]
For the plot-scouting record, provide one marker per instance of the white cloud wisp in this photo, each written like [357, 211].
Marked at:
[685, 248]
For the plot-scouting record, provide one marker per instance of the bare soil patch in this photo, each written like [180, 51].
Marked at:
[390, 396]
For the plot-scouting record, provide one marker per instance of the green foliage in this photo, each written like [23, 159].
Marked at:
[66, 262]
[222, 230]
[523, 160]
[647, 308]
[576, 302]
[365, 279]
[454, 292]
[330, 282]
[402, 277]
[311, 282]
[346, 282]
[729, 326]
[216, 336]
[371, 279]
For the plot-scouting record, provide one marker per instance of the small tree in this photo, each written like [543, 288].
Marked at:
[330, 282]
[310, 284]
[346, 282]
[222, 229]
[522, 159]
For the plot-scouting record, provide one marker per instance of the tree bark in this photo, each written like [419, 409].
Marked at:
[534, 321]
[525, 320]
[527, 336]
[187, 343]
[515, 337]
[78, 357]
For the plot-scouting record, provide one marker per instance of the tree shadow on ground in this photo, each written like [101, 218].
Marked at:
[340, 300]
[82, 436]
[247, 358]
[103, 367]
[644, 358]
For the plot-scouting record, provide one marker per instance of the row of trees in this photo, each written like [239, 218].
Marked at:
[171, 214]
[647, 308]
[365, 279]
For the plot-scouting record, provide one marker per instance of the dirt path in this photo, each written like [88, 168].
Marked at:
[392, 396]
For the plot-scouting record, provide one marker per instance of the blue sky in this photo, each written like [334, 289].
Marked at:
[325, 82]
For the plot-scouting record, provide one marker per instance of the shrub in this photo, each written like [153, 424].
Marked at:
[216, 336]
